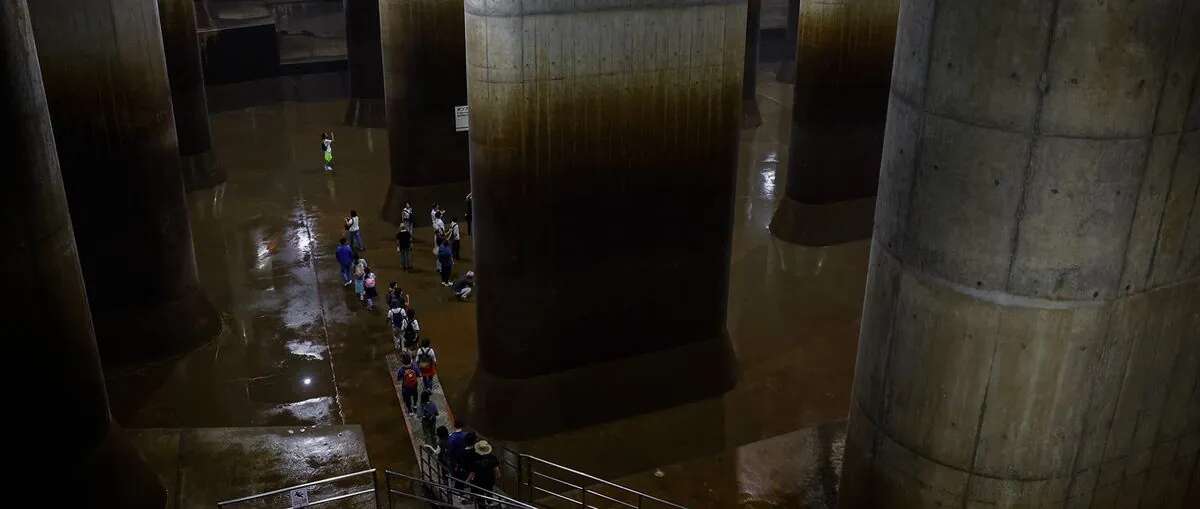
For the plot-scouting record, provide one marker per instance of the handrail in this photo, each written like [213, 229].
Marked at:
[305, 485]
[640, 495]
[491, 496]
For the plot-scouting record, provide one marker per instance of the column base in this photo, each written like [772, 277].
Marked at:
[751, 117]
[521, 409]
[200, 171]
[786, 72]
[144, 332]
[364, 112]
[823, 224]
[451, 196]
[114, 475]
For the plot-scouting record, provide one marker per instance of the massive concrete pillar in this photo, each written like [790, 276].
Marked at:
[185, 71]
[843, 67]
[787, 65]
[424, 76]
[603, 145]
[75, 443]
[750, 115]
[106, 84]
[1031, 332]
[365, 57]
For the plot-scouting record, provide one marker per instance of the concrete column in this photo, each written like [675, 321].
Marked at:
[424, 77]
[46, 319]
[185, 71]
[843, 66]
[787, 66]
[751, 117]
[366, 64]
[1031, 331]
[106, 85]
[603, 147]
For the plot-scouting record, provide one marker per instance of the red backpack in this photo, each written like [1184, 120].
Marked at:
[409, 377]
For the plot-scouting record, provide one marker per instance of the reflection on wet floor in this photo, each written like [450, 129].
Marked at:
[297, 349]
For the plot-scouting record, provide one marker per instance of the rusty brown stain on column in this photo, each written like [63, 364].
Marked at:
[603, 147]
[364, 54]
[424, 73]
[106, 85]
[47, 316]
[185, 71]
[843, 67]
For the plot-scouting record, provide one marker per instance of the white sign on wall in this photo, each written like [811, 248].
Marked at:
[461, 118]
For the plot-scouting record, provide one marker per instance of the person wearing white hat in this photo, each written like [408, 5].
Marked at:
[484, 468]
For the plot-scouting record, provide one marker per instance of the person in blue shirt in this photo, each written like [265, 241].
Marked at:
[445, 258]
[345, 258]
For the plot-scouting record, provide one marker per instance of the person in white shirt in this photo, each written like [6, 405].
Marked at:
[406, 215]
[433, 212]
[455, 235]
[439, 226]
[355, 234]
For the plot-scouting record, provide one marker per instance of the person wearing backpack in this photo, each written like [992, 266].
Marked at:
[398, 319]
[427, 363]
[412, 331]
[408, 376]
[429, 413]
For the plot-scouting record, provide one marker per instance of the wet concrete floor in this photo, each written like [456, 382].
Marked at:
[297, 349]
[201, 466]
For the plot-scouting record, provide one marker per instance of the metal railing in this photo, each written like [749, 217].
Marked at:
[267, 499]
[535, 483]
[444, 495]
[559, 486]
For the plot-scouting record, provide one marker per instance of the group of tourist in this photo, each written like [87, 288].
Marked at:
[447, 246]
[469, 460]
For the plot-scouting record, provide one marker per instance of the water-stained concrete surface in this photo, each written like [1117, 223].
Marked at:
[200, 467]
[264, 246]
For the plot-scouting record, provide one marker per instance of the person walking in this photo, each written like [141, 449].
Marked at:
[360, 275]
[327, 150]
[370, 293]
[396, 298]
[445, 260]
[412, 330]
[433, 212]
[398, 319]
[408, 378]
[443, 452]
[455, 238]
[345, 259]
[429, 414]
[404, 246]
[427, 363]
[484, 471]
[352, 226]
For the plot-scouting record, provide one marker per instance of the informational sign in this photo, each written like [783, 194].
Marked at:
[298, 498]
[461, 118]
